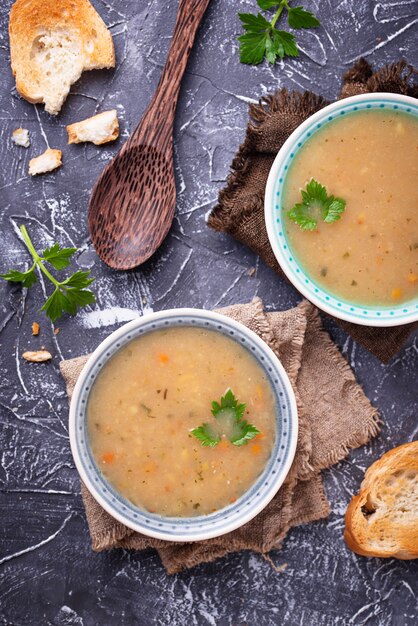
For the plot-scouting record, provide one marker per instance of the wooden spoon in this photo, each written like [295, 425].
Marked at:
[132, 204]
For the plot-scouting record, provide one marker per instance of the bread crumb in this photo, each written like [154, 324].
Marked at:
[35, 328]
[39, 356]
[45, 162]
[20, 137]
[56, 331]
[98, 129]
[252, 271]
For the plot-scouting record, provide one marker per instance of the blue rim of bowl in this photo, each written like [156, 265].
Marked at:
[259, 494]
[274, 214]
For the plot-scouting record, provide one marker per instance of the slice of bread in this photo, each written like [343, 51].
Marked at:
[382, 520]
[45, 162]
[98, 129]
[51, 43]
[20, 137]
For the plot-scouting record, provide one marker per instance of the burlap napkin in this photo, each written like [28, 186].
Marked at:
[334, 416]
[240, 210]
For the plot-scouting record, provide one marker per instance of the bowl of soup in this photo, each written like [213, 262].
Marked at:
[183, 424]
[341, 209]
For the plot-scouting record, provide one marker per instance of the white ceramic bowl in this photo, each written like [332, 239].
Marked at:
[275, 216]
[257, 496]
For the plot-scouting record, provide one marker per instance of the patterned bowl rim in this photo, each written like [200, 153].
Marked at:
[254, 499]
[273, 212]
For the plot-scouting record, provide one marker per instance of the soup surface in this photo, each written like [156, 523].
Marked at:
[148, 398]
[370, 159]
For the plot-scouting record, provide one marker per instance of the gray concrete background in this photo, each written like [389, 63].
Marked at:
[48, 573]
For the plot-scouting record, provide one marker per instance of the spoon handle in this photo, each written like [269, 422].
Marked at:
[164, 101]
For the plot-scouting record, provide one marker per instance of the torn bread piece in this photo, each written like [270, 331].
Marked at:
[382, 520]
[40, 356]
[45, 162]
[98, 129]
[51, 43]
[20, 137]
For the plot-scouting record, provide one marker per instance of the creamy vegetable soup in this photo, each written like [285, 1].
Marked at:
[150, 412]
[370, 255]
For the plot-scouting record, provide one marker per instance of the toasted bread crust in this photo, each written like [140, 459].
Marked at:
[45, 162]
[382, 520]
[98, 129]
[32, 19]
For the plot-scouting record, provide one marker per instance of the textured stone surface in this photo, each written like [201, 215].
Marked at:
[48, 573]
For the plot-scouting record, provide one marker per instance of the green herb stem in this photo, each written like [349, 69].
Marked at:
[37, 259]
[283, 4]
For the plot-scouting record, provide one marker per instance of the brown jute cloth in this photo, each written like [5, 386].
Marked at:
[240, 210]
[334, 416]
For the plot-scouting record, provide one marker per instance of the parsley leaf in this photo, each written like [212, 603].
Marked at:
[262, 39]
[228, 406]
[58, 257]
[333, 210]
[297, 17]
[27, 278]
[206, 435]
[243, 432]
[316, 204]
[285, 44]
[69, 294]
[301, 214]
[228, 413]
[267, 4]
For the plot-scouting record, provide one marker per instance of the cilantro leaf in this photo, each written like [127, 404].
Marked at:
[243, 433]
[228, 413]
[69, 294]
[297, 17]
[206, 435]
[263, 40]
[58, 257]
[316, 204]
[27, 278]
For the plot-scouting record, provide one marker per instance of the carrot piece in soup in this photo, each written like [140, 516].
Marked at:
[396, 293]
[108, 457]
[163, 358]
[255, 449]
[412, 278]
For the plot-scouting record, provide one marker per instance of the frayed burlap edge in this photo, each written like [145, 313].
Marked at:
[284, 101]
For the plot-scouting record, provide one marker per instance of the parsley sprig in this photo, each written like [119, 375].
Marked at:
[69, 294]
[316, 203]
[228, 414]
[263, 39]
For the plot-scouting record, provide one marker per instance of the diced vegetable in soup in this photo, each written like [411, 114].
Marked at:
[182, 421]
[370, 255]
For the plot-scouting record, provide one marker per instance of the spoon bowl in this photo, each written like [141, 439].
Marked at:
[128, 220]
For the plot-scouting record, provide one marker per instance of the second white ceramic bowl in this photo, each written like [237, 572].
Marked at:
[275, 215]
